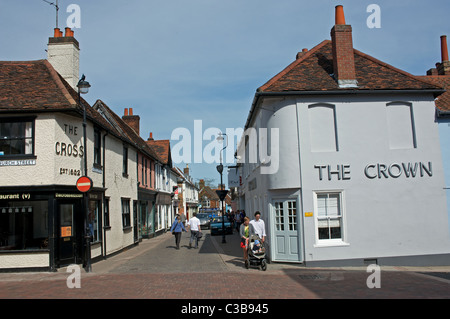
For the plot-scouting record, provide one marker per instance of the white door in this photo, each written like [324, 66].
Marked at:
[285, 240]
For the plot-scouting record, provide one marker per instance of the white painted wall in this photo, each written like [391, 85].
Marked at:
[383, 217]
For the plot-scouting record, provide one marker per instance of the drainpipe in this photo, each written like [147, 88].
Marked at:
[104, 186]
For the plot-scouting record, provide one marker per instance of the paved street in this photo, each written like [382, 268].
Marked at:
[155, 269]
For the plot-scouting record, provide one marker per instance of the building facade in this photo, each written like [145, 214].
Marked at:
[440, 75]
[43, 219]
[188, 193]
[45, 222]
[341, 154]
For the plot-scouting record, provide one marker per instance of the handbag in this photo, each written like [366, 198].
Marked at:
[199, 235]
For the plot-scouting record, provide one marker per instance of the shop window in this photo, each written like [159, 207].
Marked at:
[329, 216]
[401, 126]
[24, 225]
[322, 127]
[16, 137]
[126, 220]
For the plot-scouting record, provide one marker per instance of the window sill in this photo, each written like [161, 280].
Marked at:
[331, 243]
[127, 228]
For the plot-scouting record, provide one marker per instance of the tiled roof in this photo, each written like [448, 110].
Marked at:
[313, 71]
[162, 149]
[35, 86]
[443, 100]
[126, 131]
[32, 85]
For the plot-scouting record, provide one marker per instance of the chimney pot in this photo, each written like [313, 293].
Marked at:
[57, 33]
[340, 17]
[131, 111]
[305, 50]
[444, 48]
[126, 112]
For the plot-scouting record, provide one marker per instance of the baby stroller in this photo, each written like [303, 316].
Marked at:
[256, 253]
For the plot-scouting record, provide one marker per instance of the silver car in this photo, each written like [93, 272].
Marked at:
[205, 221]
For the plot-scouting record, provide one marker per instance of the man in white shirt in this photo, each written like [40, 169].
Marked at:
[194, 225]
[260, 227]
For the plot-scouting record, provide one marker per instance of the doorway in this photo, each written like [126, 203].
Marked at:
[69, 233]
[285, 241]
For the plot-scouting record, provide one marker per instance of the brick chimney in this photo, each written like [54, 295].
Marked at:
[132, 120]
[151, 137]
[443, 68]
[186, 170]
[63, 53]
[343, 54]
[201, 184]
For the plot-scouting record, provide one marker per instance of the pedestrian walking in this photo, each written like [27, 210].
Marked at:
[194, 226]
[246, 230]
[176, 229]
[260, 227]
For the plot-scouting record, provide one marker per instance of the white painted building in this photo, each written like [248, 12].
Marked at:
[350, 171]
[43, 221]
[187, 194]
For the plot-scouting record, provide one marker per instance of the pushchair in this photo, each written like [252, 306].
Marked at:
[256, 253]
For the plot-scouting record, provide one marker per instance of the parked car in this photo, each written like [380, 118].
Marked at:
[204, 220]
[216, 226]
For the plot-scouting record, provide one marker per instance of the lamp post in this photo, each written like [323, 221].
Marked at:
[83, 88]
[222, 193]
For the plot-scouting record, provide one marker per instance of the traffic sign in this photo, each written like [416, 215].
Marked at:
[84, 184]
[222, 194]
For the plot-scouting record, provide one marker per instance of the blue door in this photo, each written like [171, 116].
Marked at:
[285, 226]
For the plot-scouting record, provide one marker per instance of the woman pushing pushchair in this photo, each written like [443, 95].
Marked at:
[250, 242]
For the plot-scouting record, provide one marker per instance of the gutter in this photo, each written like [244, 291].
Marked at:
[441, 113]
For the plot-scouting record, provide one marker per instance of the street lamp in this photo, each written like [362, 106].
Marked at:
[83, 88]
[222, 193]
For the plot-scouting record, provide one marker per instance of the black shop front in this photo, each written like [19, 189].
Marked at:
[44, 221]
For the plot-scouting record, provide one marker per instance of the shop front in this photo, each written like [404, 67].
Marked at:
[145, 211]
[42, 228]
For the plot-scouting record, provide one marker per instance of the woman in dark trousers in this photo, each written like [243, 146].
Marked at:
[176, 229]
[245, 231]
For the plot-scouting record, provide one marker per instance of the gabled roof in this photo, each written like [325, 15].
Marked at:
[125, 131]
[313, 71]
[162, 149]
[183, 176]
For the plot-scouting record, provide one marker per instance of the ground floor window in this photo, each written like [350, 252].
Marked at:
[24, 225]
[329, 216]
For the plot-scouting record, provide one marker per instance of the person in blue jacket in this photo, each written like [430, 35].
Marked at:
[176, 229]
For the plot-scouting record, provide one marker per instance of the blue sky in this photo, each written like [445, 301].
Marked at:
[176, 61]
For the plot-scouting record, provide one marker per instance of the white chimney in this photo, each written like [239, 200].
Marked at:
[64, 55]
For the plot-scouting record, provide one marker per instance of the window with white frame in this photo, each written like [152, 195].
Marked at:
[329, 216]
